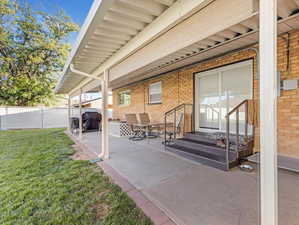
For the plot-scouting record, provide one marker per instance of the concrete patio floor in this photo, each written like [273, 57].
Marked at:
[191, 193]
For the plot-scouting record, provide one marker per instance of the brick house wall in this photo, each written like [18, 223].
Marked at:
[177, 88]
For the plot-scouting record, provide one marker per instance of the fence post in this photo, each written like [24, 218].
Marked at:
[80, 114]
[42, 117]
[5, 117]
[69, 114]
[0, 121]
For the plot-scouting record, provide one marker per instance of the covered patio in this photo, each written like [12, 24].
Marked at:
[189, 192]
[128, 41]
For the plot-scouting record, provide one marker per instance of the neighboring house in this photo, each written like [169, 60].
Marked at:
[156, 55]
[94, 104]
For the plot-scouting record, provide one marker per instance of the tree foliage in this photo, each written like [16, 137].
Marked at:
[33, 49]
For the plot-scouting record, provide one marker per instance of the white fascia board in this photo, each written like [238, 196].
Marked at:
[179, 11]
[96, 11]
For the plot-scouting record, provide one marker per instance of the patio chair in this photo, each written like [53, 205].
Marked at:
[145, 119]
[137, 130]
[173, 132]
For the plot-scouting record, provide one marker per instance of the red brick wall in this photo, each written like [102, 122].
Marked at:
[139, 98]
[177, 88]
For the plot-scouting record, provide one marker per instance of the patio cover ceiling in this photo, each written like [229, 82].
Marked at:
[240, 35]
[109, 26]
[91, 48]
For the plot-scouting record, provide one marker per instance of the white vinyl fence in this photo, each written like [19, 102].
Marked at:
[36, 117]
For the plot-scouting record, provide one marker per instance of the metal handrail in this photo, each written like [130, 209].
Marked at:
[212, 108]
[236, 107]
[236, 110]
[176, 108]
[174, 111]
[213, 111]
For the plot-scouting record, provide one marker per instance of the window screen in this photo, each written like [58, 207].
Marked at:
[124, 98]
[155, 92]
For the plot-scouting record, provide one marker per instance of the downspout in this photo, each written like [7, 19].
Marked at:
[287, 40]
[73, 70]
[257, 61]
[102, 155]
[256, 50]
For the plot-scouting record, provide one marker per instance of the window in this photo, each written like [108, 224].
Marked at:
[124, 98]
[155, 93]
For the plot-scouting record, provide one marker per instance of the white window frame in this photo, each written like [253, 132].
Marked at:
[119, 96]
[150, 93]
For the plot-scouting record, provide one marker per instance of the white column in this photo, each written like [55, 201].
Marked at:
[268, 106]
[80, 114]
[105, 126]
[69, 113]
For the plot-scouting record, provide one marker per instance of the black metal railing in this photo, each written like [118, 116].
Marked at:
[236, 111]
[177, 122]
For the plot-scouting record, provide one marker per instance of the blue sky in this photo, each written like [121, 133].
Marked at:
[77, 9]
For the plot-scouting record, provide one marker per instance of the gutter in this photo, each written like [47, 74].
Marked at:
[85, 27]
[73, 70]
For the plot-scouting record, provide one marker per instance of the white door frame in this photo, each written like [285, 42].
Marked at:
[218, 71]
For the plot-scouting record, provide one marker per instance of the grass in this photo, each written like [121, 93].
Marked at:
[40, 184]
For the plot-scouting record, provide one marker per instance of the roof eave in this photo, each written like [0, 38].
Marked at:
[96, 6]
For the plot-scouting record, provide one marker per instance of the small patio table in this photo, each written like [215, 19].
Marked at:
[147, 127]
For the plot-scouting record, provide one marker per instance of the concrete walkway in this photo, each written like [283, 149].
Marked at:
[191, 193]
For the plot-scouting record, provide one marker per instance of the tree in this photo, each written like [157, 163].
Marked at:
[33, 49]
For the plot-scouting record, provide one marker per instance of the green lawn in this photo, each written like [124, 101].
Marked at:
[40, 184]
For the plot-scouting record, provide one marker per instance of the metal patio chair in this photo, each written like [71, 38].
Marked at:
[151, 127]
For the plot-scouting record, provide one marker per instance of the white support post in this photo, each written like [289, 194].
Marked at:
[105, 125]
[80, 114]
[268, 108]
[69, 113]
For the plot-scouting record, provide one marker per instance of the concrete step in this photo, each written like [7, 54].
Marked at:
[208, 151]
[211, 138]
[201, 138]
[201, 159]
[203, 148]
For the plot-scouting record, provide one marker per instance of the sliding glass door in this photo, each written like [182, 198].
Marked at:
[218, 91]
[209, 101]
